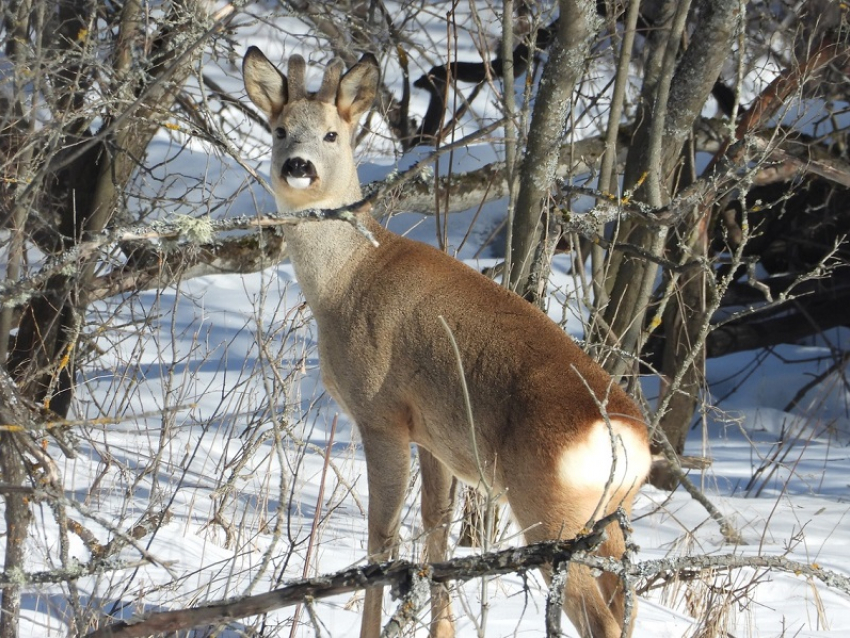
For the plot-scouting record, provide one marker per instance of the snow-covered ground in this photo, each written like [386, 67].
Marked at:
[221, 423]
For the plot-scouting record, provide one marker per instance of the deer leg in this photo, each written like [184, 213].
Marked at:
[388, 471]
[613, 587]
[438, 491]
[562, 514]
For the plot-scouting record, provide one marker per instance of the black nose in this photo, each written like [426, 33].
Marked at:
[298, 167]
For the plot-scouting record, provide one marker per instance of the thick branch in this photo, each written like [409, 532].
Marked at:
[404, 575]
[397, 574]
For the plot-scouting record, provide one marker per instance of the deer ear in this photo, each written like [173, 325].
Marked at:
[358, 88]
[266, 86]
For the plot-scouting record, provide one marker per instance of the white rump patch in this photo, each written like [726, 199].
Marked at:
[299, 182]
[589, 463]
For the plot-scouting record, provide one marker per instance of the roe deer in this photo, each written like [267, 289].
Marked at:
[541, 438]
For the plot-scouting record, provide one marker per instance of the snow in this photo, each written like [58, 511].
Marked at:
[221, 420]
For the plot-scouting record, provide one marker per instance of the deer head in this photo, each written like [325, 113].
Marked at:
[312, 161]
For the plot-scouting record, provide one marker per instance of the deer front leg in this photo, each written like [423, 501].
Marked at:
[438, 491]
[388, 470]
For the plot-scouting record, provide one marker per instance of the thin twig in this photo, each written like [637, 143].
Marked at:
[203, 230]
[316, 518]
[840, 362]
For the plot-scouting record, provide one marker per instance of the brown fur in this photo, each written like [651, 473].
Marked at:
[387, 360]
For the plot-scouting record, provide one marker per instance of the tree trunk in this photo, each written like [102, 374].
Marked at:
[13, 472]
[568, 56]
[675, 89]
[684, 318]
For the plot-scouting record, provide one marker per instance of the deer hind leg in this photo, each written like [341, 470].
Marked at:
[561, 512]
[438, 490]
[613, 587]
[388, 471]
[584, 602]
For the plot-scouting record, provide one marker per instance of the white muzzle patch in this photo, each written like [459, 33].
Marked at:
[299, 183]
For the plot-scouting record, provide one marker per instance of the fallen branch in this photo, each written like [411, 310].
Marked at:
[409, 580]
[402, 576]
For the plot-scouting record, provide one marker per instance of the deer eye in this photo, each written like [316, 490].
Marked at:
[331, 137]
[280, 133]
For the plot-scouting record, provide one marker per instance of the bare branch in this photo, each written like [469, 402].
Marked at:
[400, 575]
[406, 577]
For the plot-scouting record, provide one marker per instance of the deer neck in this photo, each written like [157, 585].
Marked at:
[325, 255]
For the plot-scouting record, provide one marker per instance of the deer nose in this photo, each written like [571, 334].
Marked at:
[298, 167]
